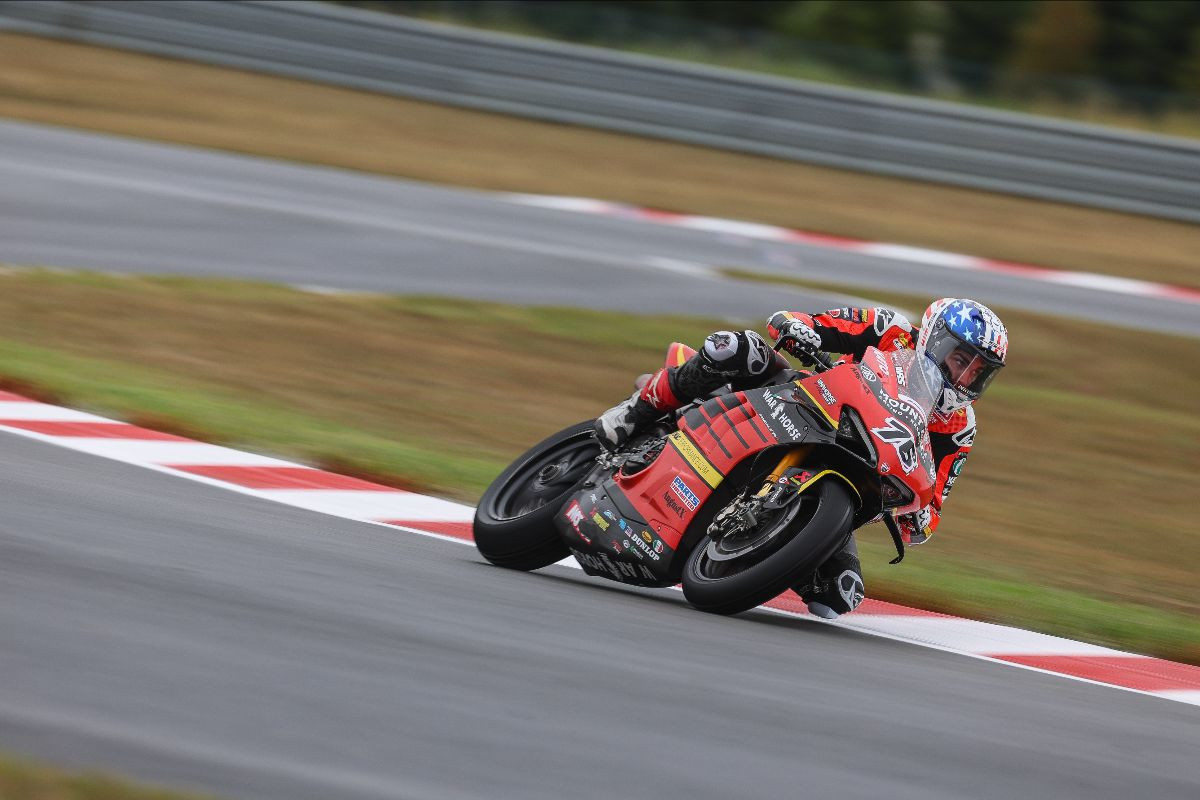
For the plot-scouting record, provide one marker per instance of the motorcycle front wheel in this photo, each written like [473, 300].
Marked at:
[514, 522]
[738, 572]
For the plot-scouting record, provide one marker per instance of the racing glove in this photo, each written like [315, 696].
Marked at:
[916, 527]
[798, 336]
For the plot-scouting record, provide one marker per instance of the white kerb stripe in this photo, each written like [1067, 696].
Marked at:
[1105, 283]
[751, 230]
[45, 413]
[918, 254]
[971, 636]
[140, 451]
[368, 505]
[582, 204]
[1182, 695]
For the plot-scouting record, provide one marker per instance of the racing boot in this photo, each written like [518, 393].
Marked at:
[837, 588]
[625, 420]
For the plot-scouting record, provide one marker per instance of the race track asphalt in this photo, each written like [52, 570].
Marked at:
[82, 200]
[182, 634]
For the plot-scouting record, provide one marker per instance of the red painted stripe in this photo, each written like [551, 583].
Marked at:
[459, 530]
[1132, 672]
[1181, 293]
[658, 216]
[1014, 268]
[92, 430]
[280, 477]
[825, 240]
[790, 601]
[847, 243]
[9, 397]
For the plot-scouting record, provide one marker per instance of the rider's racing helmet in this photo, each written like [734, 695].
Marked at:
[967, 343]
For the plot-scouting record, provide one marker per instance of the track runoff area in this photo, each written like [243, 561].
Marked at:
[350, 498]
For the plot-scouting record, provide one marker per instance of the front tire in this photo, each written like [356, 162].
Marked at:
[514, 522]
[722, 580]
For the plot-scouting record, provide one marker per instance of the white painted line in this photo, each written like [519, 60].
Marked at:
[138, 451]
[42, 412]
[971, 636]
[1192, 697]
[918, 255]
[370, 505]
[1105, 283]
[557, 203]
[752, 230]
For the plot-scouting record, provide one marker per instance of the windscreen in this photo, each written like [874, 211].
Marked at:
[923, 381]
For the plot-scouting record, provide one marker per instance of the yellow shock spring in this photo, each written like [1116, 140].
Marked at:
[790, 459]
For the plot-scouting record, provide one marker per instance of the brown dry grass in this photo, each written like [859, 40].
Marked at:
[90, 87]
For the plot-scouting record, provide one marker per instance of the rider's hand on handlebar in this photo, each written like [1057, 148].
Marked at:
[915, 527]
[800, 340]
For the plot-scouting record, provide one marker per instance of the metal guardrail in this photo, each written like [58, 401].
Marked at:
[868, 131]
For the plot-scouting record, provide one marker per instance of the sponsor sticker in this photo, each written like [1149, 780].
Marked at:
[826, 395]
[600, 522]
[574, 515]
[685, 494]
[885, 367]
[782, 419]
[695, 459]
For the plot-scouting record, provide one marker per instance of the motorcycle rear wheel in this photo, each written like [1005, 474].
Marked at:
[514, 522]
[785, 549]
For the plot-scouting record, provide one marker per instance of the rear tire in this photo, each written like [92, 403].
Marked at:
[814, 526]
[514, 522]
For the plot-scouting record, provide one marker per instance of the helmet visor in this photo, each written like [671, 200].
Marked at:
[964, 366]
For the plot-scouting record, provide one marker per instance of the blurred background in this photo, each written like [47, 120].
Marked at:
[1120, 62]
[406, 240]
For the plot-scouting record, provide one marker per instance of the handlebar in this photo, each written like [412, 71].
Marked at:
[820, 359]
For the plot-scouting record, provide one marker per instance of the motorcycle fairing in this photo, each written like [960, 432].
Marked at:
[634, 523]
[610, 540]
[629, 527]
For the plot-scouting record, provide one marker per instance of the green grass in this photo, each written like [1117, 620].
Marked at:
[1069, 519]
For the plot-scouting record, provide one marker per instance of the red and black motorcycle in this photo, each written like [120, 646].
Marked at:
[740, 496]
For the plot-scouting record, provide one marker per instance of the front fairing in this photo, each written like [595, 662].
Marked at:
[893, 393]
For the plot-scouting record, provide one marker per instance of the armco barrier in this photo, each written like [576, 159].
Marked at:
[868, 131]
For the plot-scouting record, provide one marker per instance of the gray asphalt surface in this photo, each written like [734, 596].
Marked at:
[82, 200]
[182, 634]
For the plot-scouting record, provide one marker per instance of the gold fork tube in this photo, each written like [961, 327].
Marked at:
[790, 459]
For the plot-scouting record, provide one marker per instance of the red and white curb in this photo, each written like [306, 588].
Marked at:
[351, 498]
[898, 252]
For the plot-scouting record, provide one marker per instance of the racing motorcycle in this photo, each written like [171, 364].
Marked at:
[740, 495]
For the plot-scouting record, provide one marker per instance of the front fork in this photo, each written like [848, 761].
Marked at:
[790, 459]
[742, 514]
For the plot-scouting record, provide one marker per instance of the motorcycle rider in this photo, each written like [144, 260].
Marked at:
[963, 339]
